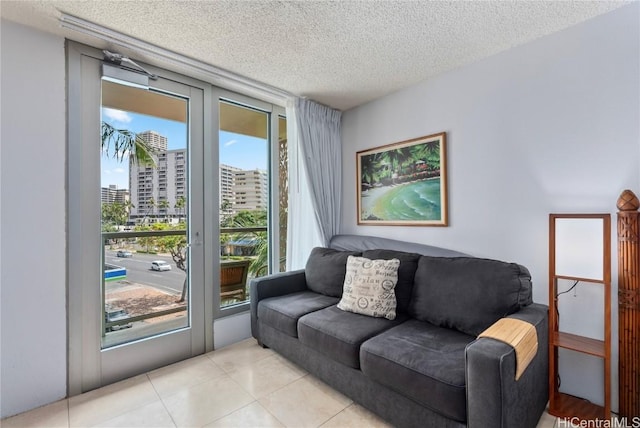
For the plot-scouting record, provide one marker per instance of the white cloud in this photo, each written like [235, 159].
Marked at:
[119, 170]
[117, 115]
[230, 143]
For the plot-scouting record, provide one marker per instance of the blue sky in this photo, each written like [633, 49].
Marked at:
[235, 149]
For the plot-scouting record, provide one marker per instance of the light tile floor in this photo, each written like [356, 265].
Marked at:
[242, 385]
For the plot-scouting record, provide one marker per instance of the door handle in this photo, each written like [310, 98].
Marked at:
[196, 242]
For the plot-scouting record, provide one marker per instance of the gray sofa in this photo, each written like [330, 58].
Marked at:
[425, 368]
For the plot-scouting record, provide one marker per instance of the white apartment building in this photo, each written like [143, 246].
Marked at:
[156, 141]
[111, 194]
[250, 190]
[227, 178]
[155, 191]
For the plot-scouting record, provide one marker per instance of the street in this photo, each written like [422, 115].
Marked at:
[139, 271]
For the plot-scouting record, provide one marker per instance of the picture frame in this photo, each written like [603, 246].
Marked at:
[404, 183]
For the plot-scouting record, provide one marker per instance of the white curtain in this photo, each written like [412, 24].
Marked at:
[315, 178]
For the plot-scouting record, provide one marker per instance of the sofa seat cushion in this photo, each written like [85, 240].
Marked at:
[283, 312]
[423, 362]
[339, 334]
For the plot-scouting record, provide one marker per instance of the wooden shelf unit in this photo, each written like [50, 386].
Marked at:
[577, 343]
[561, 404]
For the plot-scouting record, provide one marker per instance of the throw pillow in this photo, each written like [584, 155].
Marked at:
[406, 273]
[369, 287]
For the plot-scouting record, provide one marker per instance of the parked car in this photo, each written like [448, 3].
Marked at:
[116, 314]
[160, 265]
[124, 253]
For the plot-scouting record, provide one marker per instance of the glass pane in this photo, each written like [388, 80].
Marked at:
[145, 200]
[244, 203]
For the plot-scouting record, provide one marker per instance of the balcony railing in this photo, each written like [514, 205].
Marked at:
[240, 246]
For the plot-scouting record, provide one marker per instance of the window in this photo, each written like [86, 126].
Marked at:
[247, 147]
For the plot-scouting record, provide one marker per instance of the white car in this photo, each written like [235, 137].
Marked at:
[160, 265]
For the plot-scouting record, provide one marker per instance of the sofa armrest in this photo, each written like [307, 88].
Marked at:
[494, 397]
[274, 285]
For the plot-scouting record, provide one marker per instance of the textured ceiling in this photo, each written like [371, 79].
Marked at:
[341, 54]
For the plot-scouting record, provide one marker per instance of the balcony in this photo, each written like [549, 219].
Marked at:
[147, 302]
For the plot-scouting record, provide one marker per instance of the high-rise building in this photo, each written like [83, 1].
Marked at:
[156, 141]
[251, 190]
[227, 174]
[156, 192]
[111, 194]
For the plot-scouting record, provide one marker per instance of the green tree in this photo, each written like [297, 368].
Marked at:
[164, 205]
[114, 214]
[393, 157]
[225, 209]
[128, 205]
[226, 205]
[145, 241]
[246, 218]
[404, 158]
[180, 206]
[151, 204]
[433, 154]
[254, 218]
[176, 245]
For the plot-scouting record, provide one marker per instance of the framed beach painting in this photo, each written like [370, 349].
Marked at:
[403, 184]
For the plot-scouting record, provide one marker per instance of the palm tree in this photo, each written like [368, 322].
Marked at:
[126, 142]
[258, 239]
[366, 174]
[128, 205]
[151, 204]
[114, 213]
[433, 150]
[418, 152]
[163, 205]
[394, 159]
[179, 206]
[404, 155]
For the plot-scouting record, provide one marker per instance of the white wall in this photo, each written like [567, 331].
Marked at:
[33, 349]
[231, 329]
[548, 127]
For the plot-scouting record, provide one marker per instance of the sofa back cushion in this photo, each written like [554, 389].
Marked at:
[406, 273]
[468, 294]
[325, 270]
